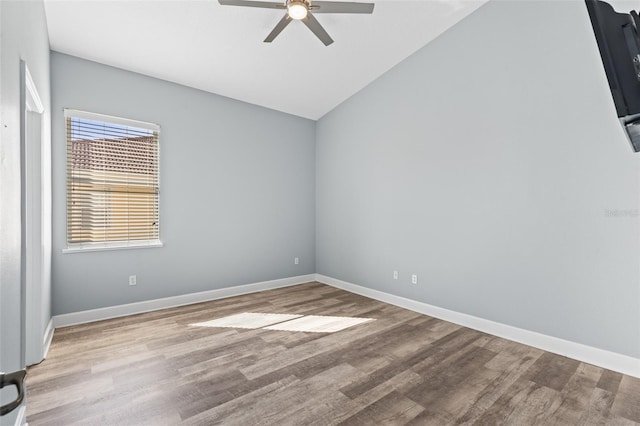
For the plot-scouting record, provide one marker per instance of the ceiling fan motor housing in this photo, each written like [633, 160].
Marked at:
[297, 9]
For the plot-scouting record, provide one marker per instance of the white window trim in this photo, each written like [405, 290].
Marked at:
[114, 245]
[110, 118]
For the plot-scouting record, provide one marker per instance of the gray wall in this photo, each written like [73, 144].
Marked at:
[24, 36]
[237, 191]
[491, 164]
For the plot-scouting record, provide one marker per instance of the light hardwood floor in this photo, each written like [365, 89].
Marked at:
[402, 368]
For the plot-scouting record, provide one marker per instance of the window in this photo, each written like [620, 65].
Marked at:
[112, 182]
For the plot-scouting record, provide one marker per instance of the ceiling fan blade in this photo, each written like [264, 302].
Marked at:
[286, 19]
[262, 4]
[315, 27]
[341, 7]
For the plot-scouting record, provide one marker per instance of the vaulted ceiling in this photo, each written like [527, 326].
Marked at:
[219, 49]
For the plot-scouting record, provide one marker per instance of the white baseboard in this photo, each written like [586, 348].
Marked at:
[99, 314]
[48, 336]
[599, 357]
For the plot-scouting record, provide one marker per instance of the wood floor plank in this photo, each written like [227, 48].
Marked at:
[510, 368]
[576, 395]
[598, 409]
[157, 368]
[392, 409]
[609, 381]
[525, 402]
[553, 371]
[627, 400]
[451, 391]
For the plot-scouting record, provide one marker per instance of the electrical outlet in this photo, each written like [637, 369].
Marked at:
[132, 280]
[414, 279]
[395, 275]
[296, 260]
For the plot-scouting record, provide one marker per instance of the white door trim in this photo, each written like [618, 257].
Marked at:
[31, 120]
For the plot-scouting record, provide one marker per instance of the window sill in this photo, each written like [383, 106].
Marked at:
[108, 247]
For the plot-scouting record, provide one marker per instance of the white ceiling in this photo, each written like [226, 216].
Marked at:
[219, 49]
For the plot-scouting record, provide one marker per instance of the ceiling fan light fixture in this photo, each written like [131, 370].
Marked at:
[303, 11]
[297, 10]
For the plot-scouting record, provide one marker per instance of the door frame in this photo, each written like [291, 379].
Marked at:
[31, 108]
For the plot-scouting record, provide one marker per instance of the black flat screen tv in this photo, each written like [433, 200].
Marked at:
[619, 44]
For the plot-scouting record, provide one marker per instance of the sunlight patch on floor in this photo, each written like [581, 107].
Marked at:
[318, 324]
[285, 322]
[247, 320]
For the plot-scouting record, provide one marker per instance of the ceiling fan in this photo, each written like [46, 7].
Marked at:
[303, 10]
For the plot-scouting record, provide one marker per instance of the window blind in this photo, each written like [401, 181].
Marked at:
[112, 181]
